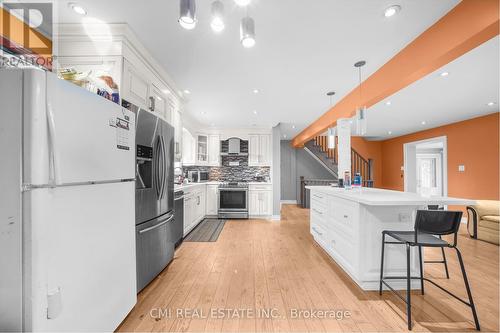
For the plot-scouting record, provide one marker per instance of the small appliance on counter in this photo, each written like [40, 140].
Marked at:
[193, 176]
[203, 176]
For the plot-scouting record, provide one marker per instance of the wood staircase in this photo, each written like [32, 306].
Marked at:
[358, 162]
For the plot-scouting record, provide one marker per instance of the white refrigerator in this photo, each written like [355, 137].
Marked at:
[67, 206]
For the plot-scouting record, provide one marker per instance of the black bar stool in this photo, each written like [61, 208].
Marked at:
[428, 224]
[444, 261]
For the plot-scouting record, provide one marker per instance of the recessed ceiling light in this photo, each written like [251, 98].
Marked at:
[388, 103]
[203, 113]
[293, 126]
[392, 10]
[423, 122]
[491, 103]
[390, 132]
[284, 135]
[256, 91]
[187, 92]
[242, 3]
[254, 111]
[77, 8]
[443, 74]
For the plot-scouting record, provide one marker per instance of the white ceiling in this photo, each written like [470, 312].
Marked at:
[304, 49]
[472, 83]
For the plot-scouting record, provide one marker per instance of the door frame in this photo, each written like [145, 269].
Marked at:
[411, 158]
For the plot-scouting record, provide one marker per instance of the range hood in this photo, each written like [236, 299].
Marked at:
[233, 147]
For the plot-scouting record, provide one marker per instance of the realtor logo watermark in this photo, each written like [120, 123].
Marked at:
[26, 32]
[247, 313]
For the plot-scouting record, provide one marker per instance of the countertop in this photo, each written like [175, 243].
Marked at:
[192, 185]
[381, 197]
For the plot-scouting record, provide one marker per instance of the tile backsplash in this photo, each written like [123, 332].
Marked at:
[226, 173]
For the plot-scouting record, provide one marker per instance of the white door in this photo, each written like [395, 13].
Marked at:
[213, 150]
[135, 86]
[89, 137]
[82, 255]
[265, 204]
[253, 203]
[429, 175]
[212, 199]
[253, 150]
[265, 150]
[202, 149]
[159, 104]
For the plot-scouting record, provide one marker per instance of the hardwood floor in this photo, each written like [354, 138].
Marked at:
[278, 267]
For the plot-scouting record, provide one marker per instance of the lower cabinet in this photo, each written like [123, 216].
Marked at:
[212, 200]
[194, 207]
[260, 200]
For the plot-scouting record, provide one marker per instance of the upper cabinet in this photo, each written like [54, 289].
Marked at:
[188, 148]
[259, 150]
[140, 79]
[208, 149]
[202, 149]
[214, 150]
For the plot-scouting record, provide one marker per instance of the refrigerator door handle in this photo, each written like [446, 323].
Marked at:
[156, 225]
[53, 160]
[164, 169]
[156, 165]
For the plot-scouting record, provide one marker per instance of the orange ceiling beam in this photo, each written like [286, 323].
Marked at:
[468, 25]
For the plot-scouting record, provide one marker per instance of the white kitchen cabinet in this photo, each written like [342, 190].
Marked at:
[188, 148]
[158, 103]
[135, 86]
[260, 200]
[259, 150]
[194, 207]
[214, 150]
[177, 123]
[212, 197]
[188, 212]
[201, 149]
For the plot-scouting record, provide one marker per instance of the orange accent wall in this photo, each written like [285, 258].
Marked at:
[370, 150]
[473, 143]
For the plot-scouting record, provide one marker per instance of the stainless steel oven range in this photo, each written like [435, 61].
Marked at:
[232, 201]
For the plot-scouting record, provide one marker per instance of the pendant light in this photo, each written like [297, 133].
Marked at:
[217, 22]
[332, 132]
[187, 17]
[361, 125]
[247, 32]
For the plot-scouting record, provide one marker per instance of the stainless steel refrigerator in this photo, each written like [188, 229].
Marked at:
[154, 195]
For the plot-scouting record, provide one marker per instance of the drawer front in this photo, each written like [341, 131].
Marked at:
[318, 197]
[343, 250]
[343, 213]
[319, 233]
[264, 187]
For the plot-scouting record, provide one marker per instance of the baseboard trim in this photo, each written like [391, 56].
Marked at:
[276, 218]
[288, 202]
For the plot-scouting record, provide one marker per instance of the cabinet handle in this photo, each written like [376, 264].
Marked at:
[346, 216]
[152, 103]
[318, 196]
[316, 231]
[317, 211]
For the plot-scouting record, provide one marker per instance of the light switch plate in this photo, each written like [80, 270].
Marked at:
[461, 168]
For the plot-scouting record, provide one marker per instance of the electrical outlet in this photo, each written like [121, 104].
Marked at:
[404, 217]
[461, 168]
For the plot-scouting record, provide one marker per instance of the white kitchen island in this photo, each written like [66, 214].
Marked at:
[348, 225]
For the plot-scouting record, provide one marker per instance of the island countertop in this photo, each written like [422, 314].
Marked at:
[381, 197]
